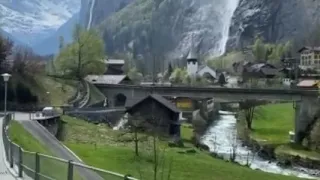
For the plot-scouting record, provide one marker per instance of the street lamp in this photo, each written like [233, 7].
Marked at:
[6, 78]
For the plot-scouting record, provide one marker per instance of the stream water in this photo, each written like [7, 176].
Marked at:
[227, 144]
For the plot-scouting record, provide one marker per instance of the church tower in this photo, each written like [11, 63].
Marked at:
[192, 61]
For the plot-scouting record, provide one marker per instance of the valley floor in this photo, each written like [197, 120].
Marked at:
[100, 146]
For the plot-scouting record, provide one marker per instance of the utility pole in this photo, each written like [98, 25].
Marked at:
[153, 45]
[296, 62]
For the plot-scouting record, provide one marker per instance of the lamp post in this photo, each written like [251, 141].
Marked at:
[6, 78]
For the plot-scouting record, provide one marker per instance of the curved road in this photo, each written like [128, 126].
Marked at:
[50, 141]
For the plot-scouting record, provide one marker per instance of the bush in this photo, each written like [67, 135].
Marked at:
[24, 95]
[315, 135]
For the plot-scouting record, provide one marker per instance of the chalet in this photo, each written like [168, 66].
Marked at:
[259, 70]
[310, 57]
[156, 114]
[239, 66]
[108, 79]
[114, 66]
[289, 62]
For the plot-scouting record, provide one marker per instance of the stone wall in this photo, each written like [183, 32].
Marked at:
[305, 114]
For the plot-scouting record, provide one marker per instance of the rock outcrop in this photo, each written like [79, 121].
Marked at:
[273, 20]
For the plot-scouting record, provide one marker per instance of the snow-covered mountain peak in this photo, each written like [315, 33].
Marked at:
[33, 20]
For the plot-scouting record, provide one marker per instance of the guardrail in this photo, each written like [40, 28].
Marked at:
[40, 166]
[297, 91]
[86, 98]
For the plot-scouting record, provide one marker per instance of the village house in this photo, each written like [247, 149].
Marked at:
[154, 113]
[310, 57]
[259, 70]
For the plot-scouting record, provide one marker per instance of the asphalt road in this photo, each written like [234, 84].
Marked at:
[45, 137]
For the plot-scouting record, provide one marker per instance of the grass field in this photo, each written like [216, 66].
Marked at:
[272, 124]
[100, 146]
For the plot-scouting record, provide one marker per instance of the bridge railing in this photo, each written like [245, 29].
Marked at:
[40, 166]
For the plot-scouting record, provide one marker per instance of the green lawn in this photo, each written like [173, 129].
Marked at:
[48, 167]
[273, 122]
[186, 131]
[102, 147]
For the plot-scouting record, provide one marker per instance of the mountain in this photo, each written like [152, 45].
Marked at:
[31, 21]
[273, 20]
[7, 35]
[50, 45]
[169, 27]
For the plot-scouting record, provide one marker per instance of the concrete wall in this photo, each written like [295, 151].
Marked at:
[52, 125]
[305, 113]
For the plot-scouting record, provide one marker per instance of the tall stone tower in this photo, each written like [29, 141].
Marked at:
[192, 62]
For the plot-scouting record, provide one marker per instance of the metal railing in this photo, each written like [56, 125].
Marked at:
[37, 166]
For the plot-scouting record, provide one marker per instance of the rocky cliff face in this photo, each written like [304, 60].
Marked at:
[273, 20]
[169, 26]
[96, 11]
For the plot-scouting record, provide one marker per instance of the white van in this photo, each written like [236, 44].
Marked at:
[48, 111]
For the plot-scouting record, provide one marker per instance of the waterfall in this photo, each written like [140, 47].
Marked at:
[123, 121]
[227, 143]
[209, 25]
[93, 2]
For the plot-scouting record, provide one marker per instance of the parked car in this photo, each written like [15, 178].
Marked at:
[48, 111]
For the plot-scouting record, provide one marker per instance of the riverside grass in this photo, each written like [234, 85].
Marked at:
[271, 125]
[99, 146]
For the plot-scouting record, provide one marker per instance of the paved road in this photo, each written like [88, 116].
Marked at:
[4, 172]
[46, 138]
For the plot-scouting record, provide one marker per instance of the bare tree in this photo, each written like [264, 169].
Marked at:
[249, 113]
[25, 61]
[234, 147]
[248, 108]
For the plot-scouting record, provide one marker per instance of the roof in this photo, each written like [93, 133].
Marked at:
[115, 61]
[159, 99]
[269, 71]
[307, 83]
[106, 79]
[212, 72]
[193, 55]
[259, 66]
[309, 48]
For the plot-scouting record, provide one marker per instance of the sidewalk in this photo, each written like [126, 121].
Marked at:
[5, 174]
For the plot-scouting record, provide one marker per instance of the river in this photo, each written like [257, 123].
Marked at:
[225, 129]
